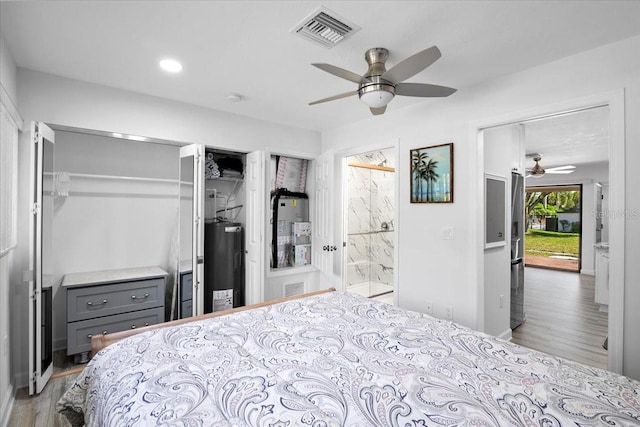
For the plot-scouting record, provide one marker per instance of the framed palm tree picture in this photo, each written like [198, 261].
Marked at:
[432, 174]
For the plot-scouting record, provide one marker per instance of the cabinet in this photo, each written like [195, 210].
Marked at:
[185, 295]
[102, 302]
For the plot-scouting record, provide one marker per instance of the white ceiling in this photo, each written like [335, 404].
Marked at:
[246, 46]
[570, 139]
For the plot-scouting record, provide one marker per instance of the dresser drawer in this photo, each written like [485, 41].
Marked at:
[79, 333]
[186, 285]
[88, 302]
[186, 309]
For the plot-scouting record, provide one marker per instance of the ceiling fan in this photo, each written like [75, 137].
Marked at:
[377, 86]
[537, 171]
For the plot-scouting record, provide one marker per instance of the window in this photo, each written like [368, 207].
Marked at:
[8, 181]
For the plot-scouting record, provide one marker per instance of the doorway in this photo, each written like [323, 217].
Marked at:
[553, 237]
[370, 202]
[614, 106]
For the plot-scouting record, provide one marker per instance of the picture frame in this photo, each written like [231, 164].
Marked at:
[431, 174]
[495, 210]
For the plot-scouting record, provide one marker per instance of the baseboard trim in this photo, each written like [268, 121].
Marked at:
[7, 407]
[21, 380]
[506, 335]
[588, 272]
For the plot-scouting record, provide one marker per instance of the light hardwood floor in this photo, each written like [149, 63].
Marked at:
[562, 317]
[40, 411]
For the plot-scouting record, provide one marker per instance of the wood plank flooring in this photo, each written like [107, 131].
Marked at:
[562, 317]
[40, 411]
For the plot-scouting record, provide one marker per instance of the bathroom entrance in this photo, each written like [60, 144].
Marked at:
[370, 230]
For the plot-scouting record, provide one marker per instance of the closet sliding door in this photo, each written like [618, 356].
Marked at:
[192, 220]
[41, 257]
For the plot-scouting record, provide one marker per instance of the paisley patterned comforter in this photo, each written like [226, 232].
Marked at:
[337, 359]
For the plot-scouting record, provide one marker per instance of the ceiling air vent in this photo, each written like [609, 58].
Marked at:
[325, 27]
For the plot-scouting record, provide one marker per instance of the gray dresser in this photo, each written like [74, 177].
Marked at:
[102, 302]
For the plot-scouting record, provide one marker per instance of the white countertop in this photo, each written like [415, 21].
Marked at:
[109, 276]
[186, 266]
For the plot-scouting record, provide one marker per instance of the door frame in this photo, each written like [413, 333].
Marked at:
[558, 188]
[341, 186]
[615, 101]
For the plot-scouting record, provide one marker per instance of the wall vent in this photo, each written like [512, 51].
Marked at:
[325, 28]
[291, 289]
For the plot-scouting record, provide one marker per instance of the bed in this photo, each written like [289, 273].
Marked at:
[337, 359]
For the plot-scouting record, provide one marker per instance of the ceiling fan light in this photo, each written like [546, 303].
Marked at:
[376, 98]
[376, 95]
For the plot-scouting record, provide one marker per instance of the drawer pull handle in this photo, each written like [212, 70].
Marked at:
[91, 303]
[142, 297]
[103, 333]
[134, 326]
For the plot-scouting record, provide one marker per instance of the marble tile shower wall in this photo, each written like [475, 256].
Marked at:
[370, 225]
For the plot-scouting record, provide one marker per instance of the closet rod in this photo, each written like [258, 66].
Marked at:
[127, 178]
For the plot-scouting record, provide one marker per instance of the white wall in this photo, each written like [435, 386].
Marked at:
[66, 102]
[111, 223]
[8, 86]
[8, 71]
[502, 149]
[445, 271]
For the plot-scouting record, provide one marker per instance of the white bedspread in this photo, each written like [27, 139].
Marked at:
[337, 359]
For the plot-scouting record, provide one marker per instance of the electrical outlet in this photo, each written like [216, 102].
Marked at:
[428, 308]
[6, 345]
[501, 301]
[448, 312]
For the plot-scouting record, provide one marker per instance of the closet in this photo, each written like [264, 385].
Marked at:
[202, 215]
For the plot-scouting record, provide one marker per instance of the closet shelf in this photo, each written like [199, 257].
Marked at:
[121, 178]
[65, 184]
[225, 178]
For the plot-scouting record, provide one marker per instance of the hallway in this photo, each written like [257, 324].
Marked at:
[562, 317]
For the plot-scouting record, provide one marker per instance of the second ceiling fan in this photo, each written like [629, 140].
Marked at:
[537, 171]
[378, 86]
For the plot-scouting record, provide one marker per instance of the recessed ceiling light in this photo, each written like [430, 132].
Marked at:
[171, 65]
[234, 97]
[136, 138]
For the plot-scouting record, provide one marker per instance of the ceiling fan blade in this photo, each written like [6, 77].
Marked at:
[565, 171]
[561, 168]
[334, 97]
[423, 90]
[378, 111]
[340, 72]
[412, 65]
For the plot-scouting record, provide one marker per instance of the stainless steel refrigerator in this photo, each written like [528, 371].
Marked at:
[518, 225]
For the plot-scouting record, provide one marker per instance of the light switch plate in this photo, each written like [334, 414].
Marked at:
[448, 232]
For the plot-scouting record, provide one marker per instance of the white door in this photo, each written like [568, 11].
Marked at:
[254, 237]
[192, 220]
[40, 257]
[324, 248]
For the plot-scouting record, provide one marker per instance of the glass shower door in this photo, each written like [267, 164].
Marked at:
[370, 200]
